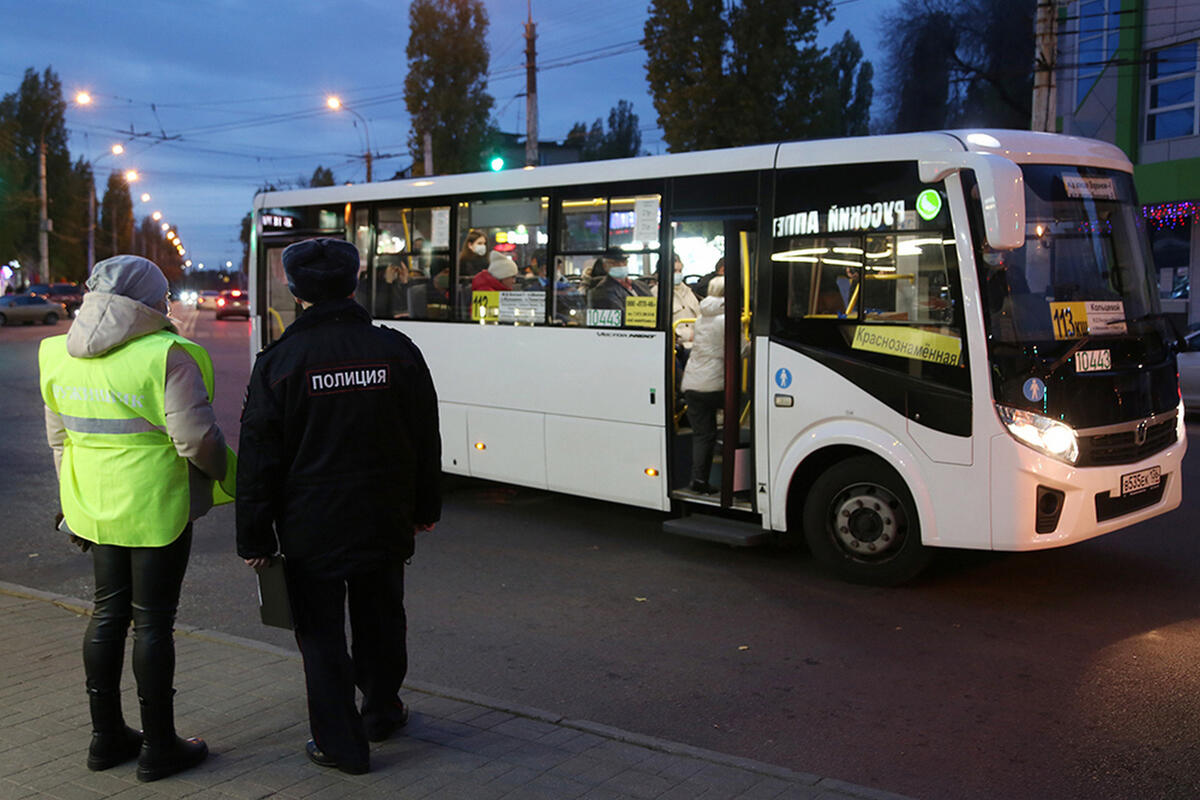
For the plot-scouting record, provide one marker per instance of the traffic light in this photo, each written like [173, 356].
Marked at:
[497, 163]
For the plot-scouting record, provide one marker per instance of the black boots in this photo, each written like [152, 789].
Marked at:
[163, 753]
[113, 742]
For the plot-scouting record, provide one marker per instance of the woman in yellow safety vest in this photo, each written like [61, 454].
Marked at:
[139, 456]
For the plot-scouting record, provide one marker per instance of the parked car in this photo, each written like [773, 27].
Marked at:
[1189, 372]
[207, 298]
[233, 302]
[69, 294]
[30, 308]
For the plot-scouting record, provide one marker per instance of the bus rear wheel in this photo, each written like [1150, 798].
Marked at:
[861, 523]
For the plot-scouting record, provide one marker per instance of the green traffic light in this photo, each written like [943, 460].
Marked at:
[497, 164]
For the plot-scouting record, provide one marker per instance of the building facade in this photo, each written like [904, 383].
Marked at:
[1127, 72]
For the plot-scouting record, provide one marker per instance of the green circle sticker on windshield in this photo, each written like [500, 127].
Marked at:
[929, 204]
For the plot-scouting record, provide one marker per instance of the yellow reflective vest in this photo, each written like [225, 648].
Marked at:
[121, 480]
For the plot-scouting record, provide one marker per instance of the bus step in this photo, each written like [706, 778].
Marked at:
[716, 529]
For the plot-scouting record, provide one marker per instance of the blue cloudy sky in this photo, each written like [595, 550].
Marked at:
[213, 98]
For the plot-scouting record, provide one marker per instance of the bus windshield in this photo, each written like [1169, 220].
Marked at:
[1085, 269]
[1076, 308]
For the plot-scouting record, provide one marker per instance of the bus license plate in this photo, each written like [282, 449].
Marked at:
[1140, 481]
[1093, 360]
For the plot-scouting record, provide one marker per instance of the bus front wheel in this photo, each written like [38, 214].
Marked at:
[860, 522]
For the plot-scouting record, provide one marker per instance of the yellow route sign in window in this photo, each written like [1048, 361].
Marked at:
[485, 306]
[640, 312]
[909, 343]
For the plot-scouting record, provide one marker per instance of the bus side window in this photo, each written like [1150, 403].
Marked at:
[504, 243]
[610, 262]
[864, 265]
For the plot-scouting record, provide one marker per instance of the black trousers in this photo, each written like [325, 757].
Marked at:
[702, 414]
[377, 661]
[139, 584]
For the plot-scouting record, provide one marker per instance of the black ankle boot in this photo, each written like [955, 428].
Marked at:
[158, 762]
[110, 749]
[163, 753]
[113, 742]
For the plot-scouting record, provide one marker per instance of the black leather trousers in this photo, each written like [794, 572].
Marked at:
[139, 584]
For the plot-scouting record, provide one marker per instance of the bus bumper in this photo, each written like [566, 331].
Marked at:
[1091, 500]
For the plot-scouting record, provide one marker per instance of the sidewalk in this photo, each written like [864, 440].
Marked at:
[247, 700]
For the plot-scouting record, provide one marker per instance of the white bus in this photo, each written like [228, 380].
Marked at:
[955, 337]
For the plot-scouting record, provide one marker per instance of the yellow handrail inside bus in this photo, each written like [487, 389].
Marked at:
[278, 320]
[744, 239]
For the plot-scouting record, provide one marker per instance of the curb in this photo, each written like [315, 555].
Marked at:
[84, 608]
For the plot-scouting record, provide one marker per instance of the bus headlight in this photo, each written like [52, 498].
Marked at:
[1041, 433]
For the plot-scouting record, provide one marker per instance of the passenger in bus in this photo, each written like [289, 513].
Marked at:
[592, 275]
[684, 305]
[701, 286]
[396, 280]
[500, 276]
[616, 285]
[473, 258]
[704, 383]
[418, 259]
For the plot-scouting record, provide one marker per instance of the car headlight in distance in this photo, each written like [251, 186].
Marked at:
[1050, 436]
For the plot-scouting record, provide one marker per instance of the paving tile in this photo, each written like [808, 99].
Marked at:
[643, 785]
[250, 706]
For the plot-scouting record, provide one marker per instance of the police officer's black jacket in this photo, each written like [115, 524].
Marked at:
[339, 451]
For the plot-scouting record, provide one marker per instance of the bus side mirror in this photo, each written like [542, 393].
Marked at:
[1001, 193]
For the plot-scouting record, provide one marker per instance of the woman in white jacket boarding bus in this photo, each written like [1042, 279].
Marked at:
[703, 383]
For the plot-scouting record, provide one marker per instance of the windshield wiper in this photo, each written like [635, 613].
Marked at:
[1072, 350]
[1180, 341]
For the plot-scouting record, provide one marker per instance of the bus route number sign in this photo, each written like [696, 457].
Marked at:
[1069, 319]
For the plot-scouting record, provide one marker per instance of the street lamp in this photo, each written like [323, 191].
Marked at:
[116, 150]
[335, 103]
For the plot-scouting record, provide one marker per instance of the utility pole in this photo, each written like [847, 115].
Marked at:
[91, 251]
[427, 142]
[531, 110]
[43, 218]
[1045, 63]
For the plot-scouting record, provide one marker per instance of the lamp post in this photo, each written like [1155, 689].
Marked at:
[336, 104]
[131, 177]
[85, 99]
[116, 150]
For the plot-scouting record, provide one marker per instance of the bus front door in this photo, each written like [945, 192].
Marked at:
[712, 440]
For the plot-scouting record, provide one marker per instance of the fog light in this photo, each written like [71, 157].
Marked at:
[1049, 508]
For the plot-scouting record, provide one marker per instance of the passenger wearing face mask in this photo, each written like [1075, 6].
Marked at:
[684, 305]
[472, 259]
[616, 286]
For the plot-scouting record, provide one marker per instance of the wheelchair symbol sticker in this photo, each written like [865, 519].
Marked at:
[1034, 390]
[783, 378]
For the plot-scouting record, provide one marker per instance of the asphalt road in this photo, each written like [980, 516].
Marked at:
[1064, 674]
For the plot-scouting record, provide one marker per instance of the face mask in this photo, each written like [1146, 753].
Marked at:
[620, 273]
[480, 249]
[678, 278]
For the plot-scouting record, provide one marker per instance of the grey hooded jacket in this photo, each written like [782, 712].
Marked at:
[106, 320]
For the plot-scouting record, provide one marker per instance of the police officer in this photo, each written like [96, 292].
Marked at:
[137, 448]
[341, 465]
